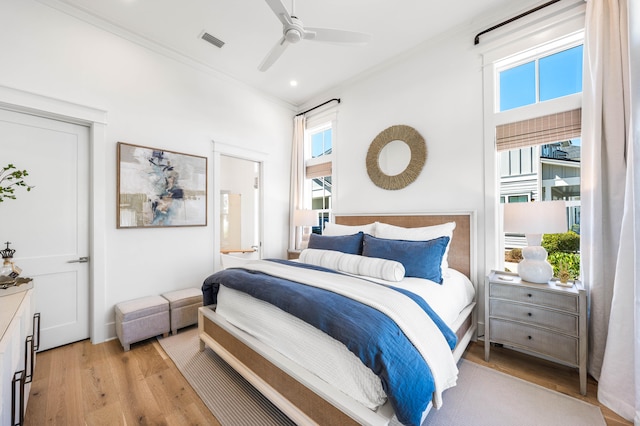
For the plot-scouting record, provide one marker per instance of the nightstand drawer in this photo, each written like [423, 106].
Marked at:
[564, 322]
[559, 346]
[556, 300]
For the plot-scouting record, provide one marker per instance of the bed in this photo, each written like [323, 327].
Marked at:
[245, 331]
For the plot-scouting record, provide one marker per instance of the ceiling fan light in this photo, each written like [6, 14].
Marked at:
[293, 35]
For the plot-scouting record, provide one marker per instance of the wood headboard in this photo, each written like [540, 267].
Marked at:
[460, 255]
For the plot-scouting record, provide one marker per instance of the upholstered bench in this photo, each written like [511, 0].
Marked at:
[183, 307]
[142, 318]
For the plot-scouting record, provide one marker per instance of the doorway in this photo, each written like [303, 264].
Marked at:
[238, 204]
[240, 207]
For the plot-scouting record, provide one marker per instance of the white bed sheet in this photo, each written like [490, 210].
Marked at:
[447, 299]
[324, 356]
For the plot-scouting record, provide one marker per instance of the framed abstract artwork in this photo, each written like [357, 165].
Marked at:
[160, 188]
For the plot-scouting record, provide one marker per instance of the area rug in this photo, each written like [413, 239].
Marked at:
[483, 397]
[486, 397]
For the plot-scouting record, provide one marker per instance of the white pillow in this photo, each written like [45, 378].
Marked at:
[373, 267]
[392, 232]
[333, 229]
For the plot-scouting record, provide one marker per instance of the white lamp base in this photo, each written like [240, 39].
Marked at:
[534, 267]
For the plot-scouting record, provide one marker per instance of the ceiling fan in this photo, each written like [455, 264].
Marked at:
[293, 31]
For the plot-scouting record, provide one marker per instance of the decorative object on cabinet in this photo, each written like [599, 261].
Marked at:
[535, 219]
[9, 274]
[418, 148]
[546, 321]
[10, 285]
[8, 270]
[160, 188]
[564, 276]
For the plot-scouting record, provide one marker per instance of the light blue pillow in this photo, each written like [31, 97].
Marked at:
[421, 259]
[351, 244]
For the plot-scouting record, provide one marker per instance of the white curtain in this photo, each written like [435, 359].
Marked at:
[610, 237]
[297, 178]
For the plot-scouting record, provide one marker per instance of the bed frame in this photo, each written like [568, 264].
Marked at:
[302, 396]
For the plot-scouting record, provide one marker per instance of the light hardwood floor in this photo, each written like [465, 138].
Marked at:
[101, 384]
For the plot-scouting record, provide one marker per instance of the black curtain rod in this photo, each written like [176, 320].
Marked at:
[528, 12]
[318, 106]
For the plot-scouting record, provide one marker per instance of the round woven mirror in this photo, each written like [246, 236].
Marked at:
[417, 146]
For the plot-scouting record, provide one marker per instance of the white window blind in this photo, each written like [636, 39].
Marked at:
[318, 170]
[540, 130]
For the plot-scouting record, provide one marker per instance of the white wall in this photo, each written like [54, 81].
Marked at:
[436, 89]
[151, 100]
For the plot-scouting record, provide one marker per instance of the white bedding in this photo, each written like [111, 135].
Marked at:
[324, 356]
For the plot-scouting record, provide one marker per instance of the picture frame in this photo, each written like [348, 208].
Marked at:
[158, 188]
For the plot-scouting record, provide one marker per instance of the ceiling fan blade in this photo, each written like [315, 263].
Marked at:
[281, 12]
[273, 54]
[335, 36]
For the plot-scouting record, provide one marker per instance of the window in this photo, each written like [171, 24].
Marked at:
[321, 143]
[539, 153]
[517, 86]
[560, 74]
[318, 169]
[542, 79]
[515, 198]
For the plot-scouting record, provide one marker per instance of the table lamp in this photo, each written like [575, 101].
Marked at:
[534, 219]
[305, 218]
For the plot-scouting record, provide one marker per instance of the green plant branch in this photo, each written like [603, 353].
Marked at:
[10, 178]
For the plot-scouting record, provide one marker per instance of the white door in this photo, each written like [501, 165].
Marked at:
[49, 226]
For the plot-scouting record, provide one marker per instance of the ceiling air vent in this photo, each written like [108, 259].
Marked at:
[211, 39]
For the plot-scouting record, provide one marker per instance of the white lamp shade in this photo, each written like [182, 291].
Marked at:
[533, 220]
[305, 218]
[539, 217]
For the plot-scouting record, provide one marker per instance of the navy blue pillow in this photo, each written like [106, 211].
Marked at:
[351, 244]
[421, 259]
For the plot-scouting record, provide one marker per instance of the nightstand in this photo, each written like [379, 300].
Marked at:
[543, 320]
[293, 254]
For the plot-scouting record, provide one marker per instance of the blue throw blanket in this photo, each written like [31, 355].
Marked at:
[369, 334]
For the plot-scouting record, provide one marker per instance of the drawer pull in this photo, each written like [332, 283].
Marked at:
[17, 399]
[36, 331]
[529, 295]
[529, 314]
[529, 337]
[29, 354]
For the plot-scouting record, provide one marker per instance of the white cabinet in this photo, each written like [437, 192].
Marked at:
[544, 320]
[17, 353]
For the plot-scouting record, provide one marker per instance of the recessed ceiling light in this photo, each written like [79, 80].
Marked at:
[293, 83]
